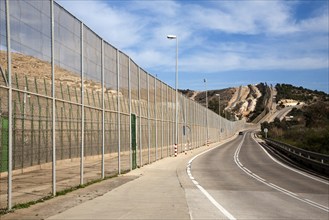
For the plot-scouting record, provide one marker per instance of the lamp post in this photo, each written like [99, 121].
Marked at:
[174, 37]
[220, 129]
[205, 81]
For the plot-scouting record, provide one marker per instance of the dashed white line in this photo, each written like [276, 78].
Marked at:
[287, 192]
[209, 197]
[290, 168]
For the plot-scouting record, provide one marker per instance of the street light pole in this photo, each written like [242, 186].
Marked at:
[219, 118]
[171, 37]
[205, 81]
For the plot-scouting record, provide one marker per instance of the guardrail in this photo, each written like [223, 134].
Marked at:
[319, 162]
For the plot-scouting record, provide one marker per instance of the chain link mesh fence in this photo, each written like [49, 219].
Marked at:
[75, 109]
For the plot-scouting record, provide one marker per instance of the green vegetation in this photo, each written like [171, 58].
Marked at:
[307, 128]
[186, 92]
[287, 91]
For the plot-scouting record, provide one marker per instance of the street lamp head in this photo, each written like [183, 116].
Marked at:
[217, 95]
[171, 36]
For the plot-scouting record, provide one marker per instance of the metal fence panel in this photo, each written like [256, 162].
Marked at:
[123, 86]
[110, 77]
[30, 41]
[71, 98]
[111, 144]
[67, 40]
[143, 92]
[3, 44]
[134, 88]
[125, 141]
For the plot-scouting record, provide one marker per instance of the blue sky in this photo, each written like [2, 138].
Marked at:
[230, 43]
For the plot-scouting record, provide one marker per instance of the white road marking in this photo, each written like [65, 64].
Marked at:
[258, 177]
[278, 187]
[247, 169]
[209, 197]
[287, 192]
[290, 168]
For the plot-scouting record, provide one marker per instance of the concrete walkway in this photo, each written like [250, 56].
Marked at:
[156, 194]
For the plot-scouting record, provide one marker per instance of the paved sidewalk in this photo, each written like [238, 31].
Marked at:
[155, 191]
[156, 194]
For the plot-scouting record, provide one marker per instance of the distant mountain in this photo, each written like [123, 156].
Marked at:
[235, 103]
[307, 124]
[253, 101]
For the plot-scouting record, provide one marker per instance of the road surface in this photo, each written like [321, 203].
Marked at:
[237, 180]
[244, 180]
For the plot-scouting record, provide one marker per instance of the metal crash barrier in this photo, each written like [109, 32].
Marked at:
[319, 162]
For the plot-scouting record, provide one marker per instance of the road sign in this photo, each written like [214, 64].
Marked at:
[265, 131]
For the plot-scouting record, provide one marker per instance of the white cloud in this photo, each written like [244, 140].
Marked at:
[155, 8]
[247, 17]
[118, 26]
[208, 63]
[139, 28]
[315, 24]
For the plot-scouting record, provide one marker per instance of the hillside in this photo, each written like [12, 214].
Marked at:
[294, 115]
[235, 103]
[306, 127]
[200, 97]
[253, 102]
[287, 91]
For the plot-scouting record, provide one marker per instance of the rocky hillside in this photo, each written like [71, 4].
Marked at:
[306, 126]
[235, 103]
[253, 101]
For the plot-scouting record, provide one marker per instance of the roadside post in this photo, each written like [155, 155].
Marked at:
[265, 131]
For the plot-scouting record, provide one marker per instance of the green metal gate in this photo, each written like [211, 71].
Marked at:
[4, 144]
[133, 141]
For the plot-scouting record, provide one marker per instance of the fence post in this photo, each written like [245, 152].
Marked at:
[148, 118]
[173, 122]
[140, 118]
[162, 131]
[103, 115]
[168, 126]
[32, 133]
[61, 117]
[53, 100]
[130, 136]
[10, 113]
[118, 116]
[70, 131]
[155, 119]
[82, 153]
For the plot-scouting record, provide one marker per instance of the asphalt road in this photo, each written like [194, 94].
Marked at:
[236, 180]
[246, 183]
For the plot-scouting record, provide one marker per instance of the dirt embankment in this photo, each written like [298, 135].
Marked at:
[244, 101]
[30, 70]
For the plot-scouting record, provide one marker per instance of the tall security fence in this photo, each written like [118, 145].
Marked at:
[75, 109]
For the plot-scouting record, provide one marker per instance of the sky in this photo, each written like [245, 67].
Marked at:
[229, 43]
